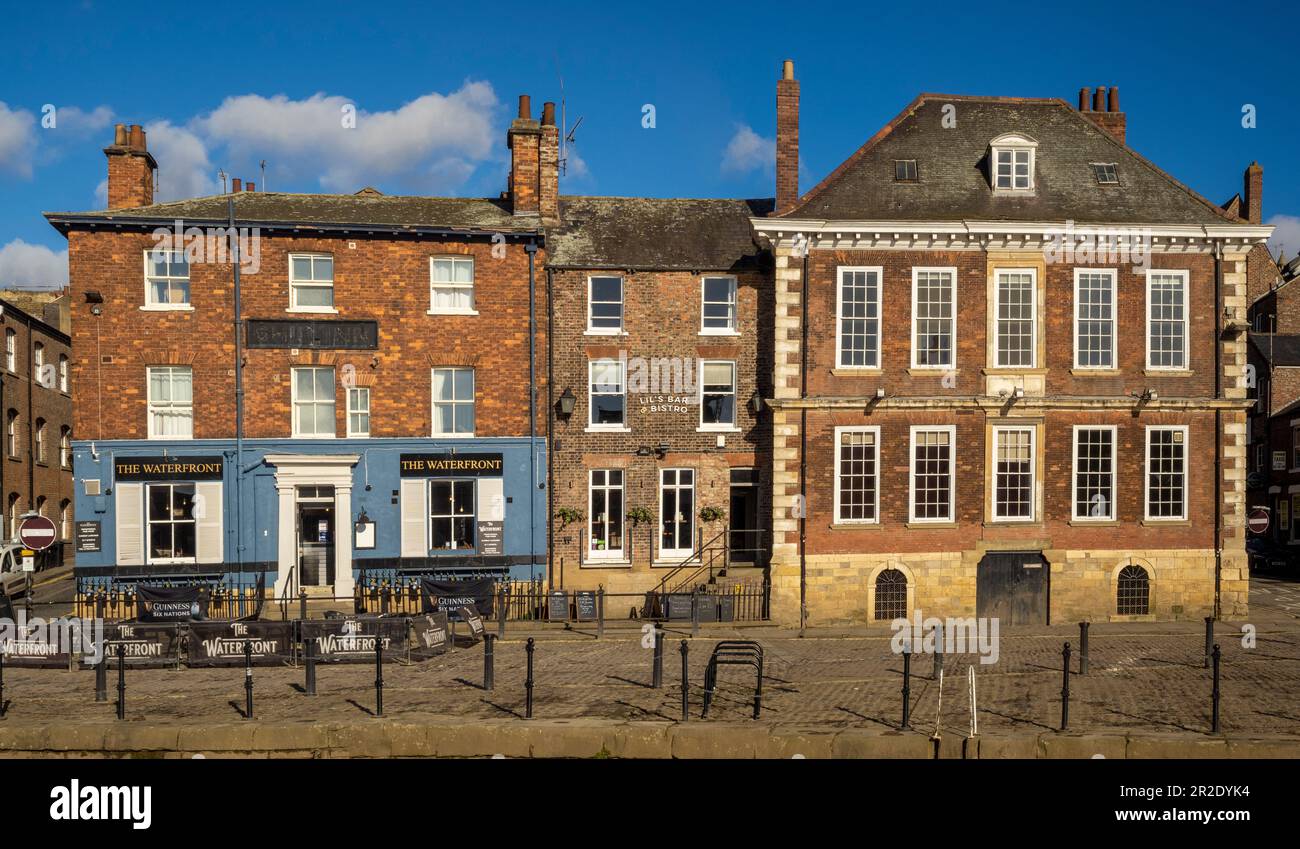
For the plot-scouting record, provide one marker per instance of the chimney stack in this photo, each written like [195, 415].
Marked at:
[548, 167]
[535, 162]
[1252, 197]
[130, 168]
[787, 139]
[1104, 111]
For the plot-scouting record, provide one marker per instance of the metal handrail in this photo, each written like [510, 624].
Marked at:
[695, 557]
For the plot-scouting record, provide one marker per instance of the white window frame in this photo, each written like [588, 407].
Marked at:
[63, 373]
[1187, 312]
[699, 398]
[313, 283]
[173, 521]
[732, 328]
[295, 402]
[606, 553]
[998, 432]
[435, 285]
[39, 441]
[11, 350]
[840, 318]
[65, 447]
[1013, 143]
[1113, 275]
[149, 303]
[1146, 473]
[453, 515]
[152, 405]
[434, 401]
[951, 430]
[1033, 317]
[952, 322]
[1113, 513]
[874, 430]
[593, 425]
[675, 553]
[622, 306]
[38, 363]
[358, 409]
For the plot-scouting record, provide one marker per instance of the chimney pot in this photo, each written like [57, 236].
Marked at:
[137, 137]
[1085, 94]
[252, 187]
[236, 185]
[548, 114]
[1112, 104]
[787, 69]
[1099, 99]
[525, 107]
[119, 135]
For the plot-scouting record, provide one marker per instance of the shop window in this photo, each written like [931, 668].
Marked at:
[453, 519]
[172, 534]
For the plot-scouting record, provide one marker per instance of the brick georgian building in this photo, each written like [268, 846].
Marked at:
[971, 419]
[374, 413]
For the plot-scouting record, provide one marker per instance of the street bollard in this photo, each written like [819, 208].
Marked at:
[695, 613]
[309, 663]
[1065, 687]
[248, 680]
[907, 683]
[302, 605]
[528, 682]
[657, 667]
[600, 611]
[1209, 639]
[938, 650]
[489, 663]
[121, 681]
[1083, 648]
[379, 673]
[1214, 716]
[501, 615]
[686, 684]
[101, 677]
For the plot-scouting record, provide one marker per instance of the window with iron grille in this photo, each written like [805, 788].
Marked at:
[1133, 595]
[891, 595]
[932, 474]
[1013, 482]
[1094, 473]
[859, 318]
[855, 474]
[1167, 319]
[1094, 316]
[1166, 473]
[934, 313]
[1015, 319]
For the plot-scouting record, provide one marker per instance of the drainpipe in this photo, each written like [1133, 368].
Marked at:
[531, 250]
[550, 433]
[31, 421]
[1218, 428]
[803, 451]
[239, 391]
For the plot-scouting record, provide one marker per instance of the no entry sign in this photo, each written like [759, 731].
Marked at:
[1258, 521]
[37, 532]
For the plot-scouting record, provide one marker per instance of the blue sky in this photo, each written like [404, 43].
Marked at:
[434, 86]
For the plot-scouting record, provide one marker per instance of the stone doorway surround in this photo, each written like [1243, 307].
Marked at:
[293, 471]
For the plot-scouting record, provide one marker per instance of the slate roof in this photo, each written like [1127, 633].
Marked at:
[953, 177]
[654, 233]
[396, 211]
[1278, 349]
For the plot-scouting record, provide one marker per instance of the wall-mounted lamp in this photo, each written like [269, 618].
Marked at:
[566, 404]
[880, 393]
[662, 449]
[756, 404]
[94, 298]
[1150, 395]
[362, 521]
[374, 361]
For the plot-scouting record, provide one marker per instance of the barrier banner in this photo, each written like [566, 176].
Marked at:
[222, 643]
[171, 604]
[353, 640]
[430, 635]
[450, 596]
[33, 646]
[146, 644]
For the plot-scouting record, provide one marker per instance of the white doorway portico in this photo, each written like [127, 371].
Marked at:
[315, 473]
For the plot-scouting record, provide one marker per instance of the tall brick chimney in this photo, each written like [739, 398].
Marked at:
[524, 140]
[1104, 112]
[1252, 195]
[130, 168]
[787, 139]
[548, 167]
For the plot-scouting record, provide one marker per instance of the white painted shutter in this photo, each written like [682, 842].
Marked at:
[209, 545]
[491, 500]
[130, 524]
[415, 517]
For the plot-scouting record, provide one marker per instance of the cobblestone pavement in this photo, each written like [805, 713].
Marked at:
[1143, 677]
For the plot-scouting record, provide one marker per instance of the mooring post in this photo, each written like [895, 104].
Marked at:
[1065, 687]
[1083, 648]
[686, 687]
[528, 682]
[1214, 717]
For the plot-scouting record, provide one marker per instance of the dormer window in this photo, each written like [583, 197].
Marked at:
[1012, 158]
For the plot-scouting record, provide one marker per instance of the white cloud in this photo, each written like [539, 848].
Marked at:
[26, 266]
[184, 169]
[1286, 235]
[80, 122]
[433, 143]
[748, 151]
[575, 167]
[17, 140]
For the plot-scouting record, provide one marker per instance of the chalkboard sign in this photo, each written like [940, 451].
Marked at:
[470, 617]
[558, 606]
[727, 608]
[708, 605]
[679, 606]
[585, 602]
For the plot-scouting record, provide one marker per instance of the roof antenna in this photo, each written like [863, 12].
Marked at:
[566, 133]
[263, 175]
[222, 176]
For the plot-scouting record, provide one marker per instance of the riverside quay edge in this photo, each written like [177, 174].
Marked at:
[993, 364]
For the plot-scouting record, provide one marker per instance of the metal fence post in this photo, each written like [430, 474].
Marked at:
[101, 678]
[121, 681]
[379, 671]
[1214, 717]
[657, 667]
[686, 685]
[1065, 687]
[528, 682]
[309, 663]
[489, 672]
[600, 611]
[907, 684]
[248, 680]
[1083, 648]
[1209, 639]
